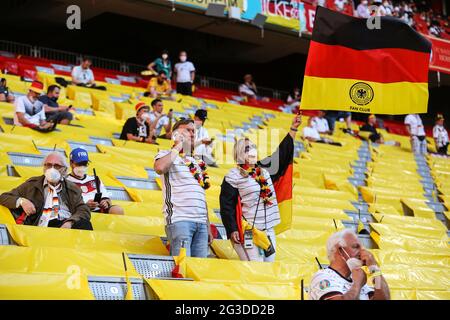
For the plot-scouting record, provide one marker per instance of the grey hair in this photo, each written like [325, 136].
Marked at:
[57, 154]
[337, 240]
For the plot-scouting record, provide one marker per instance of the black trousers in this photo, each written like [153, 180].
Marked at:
[81, 224]
[184, 88]
[443, 150]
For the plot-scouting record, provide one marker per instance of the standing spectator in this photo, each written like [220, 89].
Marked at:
[185, 73]
[159, 86]
[321, 124]
[362, 11]
[49, 200]
[160, 120]
[340, 5]
[251, 184]
[440, 135]
[79, 161]
[29, 112]
[83, 76]
[203, 142]
[185, 181]
[248, 89]
[162, 64]
[344, 279]
[138, 128]
[53, 111]
[5, 95]
[416, 132]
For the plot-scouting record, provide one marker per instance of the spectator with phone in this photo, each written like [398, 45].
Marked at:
[83, 75]
[185, 181]
[53, 111]
[344, 279]
[203, 148]
[5, 94]
[250, 184]
[138, 128]
[92, 189]
[49, 200]
[29, 112]
[159, 120]
[159, 87]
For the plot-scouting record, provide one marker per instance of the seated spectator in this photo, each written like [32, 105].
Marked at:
[292, 102]
[53, 111]
[340, 5]
[83, 76]
[248, 89]
[203, 142]
[311, 134]
[332, 116]
[138, 128]
[49, 200]
[90, 185]
[362, 11]
[162, 64]
[185, 72]
[321, 124]
[5, 95]
[29, 112]
[160, 120]
[375, 136]
[159, 86]
[440, 135]
[344, 279]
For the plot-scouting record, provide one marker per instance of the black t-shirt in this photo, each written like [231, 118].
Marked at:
[375, 135]
[4, 90]
[46, 100]
[133, 127]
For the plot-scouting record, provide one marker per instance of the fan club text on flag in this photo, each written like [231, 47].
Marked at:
[353, 68]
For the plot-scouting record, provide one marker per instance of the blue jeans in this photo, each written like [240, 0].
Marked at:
[193, 234]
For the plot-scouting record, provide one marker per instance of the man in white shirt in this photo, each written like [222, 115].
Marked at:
[440, 135]
[160, 120]
[184, 183]
[29, 112]
[344, 279]
[83, 76]
[185, 75]
[416, 131]
[310, 133]
[203, 142]
[321, 124]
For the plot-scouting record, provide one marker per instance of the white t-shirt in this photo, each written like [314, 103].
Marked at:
[246, 89]
[25, 106]
[416, 124]
[441, 135]
[162, 122]
[82, 75]
[184, 198]
[249, 191]
[184, 70]
[88, 188]
[320, 124]
[309, 132]
[327, 281]
[201, 149]
[340, 4]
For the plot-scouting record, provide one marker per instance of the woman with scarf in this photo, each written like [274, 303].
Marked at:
[248, 203]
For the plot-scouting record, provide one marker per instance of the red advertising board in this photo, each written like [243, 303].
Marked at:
[440, 55]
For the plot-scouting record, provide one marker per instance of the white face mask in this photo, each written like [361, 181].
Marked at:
[52, 175]
[80, 171]
[352, 263]
[165, 56]
[197, 124]
[145, 116]
[252, 156]
[183, 58]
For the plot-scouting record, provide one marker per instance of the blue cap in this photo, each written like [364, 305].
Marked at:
[79, 155]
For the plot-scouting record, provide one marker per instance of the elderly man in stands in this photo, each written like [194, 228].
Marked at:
[29, 111]
[49, 200]
[345, 279]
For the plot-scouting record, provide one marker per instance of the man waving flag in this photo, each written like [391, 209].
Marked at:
[357, 65]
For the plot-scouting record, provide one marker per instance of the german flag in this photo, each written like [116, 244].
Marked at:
[353, 66]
